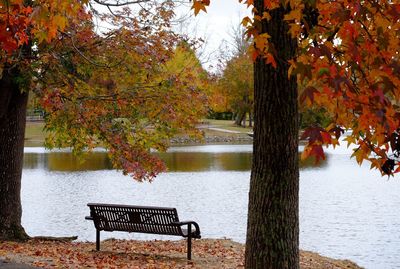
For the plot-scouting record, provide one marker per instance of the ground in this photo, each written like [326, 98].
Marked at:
[207, 253]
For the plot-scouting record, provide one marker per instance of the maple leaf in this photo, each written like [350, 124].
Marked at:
[246, 21]
[271, 60]
[336, 130]
[388, 167]
[199, 6]
[271, 4]
[295, 14]
[308, 93]
[315, 151]
[261, 42]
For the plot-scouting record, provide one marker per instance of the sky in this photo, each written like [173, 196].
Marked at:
[214, 26]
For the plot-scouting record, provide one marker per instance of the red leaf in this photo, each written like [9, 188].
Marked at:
[308, 93]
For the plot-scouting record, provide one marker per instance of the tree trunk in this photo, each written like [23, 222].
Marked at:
[273, 218]
[239, 117]
[12, 131]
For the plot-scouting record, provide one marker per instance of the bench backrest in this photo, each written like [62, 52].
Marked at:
[110, 217]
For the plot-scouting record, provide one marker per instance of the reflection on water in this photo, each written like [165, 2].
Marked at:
[204, 161]
[179, 159]
[66, 161]
[175, 161]
[346, 211]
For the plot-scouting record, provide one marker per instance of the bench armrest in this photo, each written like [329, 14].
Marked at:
[89, 218]
[181, 223]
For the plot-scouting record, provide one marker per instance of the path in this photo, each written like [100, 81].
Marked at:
[214, 128]
[223, 130]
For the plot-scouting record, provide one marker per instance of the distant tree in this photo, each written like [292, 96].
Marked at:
[236, 85]
[233, 88]
[316, 116]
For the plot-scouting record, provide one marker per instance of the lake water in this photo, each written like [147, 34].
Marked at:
[346, 211]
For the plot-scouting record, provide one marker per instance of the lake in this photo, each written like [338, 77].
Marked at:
[346, 211]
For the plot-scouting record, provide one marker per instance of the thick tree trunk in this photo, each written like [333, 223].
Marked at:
[12, 130]
[273, 218]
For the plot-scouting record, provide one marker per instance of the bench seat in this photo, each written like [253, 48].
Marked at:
[141, 219]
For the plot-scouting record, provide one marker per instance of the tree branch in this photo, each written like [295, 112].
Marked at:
[119, 3]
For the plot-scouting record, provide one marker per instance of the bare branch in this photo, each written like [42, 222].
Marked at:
[119, 3]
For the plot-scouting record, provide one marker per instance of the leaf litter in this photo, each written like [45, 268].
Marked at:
[120, 254]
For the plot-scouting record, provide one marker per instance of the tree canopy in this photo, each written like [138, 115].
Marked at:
[119, 84]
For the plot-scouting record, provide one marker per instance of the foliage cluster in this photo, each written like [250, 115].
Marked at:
[128, 83]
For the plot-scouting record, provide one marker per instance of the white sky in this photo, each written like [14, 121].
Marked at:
[215, 25]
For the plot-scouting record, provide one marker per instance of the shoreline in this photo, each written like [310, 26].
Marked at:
[212, 138]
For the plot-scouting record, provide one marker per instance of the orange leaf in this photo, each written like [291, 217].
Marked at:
[198, 6]
[271, 60]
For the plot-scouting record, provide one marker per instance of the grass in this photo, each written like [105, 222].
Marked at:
[34, 134]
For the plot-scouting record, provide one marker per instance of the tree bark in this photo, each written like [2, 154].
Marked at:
[13, 104]
[241, 114]
[273, 219]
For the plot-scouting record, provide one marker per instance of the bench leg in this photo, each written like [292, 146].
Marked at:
[189, 242]
[97, 240]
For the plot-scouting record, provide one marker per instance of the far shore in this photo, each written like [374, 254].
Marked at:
[215, 132]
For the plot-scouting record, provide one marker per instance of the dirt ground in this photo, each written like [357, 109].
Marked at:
[206, 253]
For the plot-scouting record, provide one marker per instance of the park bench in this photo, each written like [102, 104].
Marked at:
[142, 219]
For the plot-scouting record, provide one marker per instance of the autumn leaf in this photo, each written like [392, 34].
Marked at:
[200, 6]
[293, 15]
[308, 93]
[271, 4]
[271, 60]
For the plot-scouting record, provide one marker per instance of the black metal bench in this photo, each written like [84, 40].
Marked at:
[141, 219]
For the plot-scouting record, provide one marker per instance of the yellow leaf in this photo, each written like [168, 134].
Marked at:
[246, 21]
[294, 30]
[60, 21]
[266, 16]
[261, 41]
[350, 140]
[293, 15]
